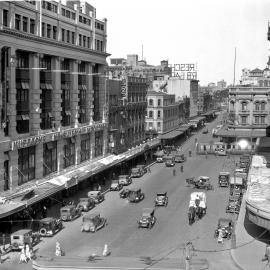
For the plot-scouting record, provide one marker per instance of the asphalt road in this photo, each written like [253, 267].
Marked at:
[171, 231]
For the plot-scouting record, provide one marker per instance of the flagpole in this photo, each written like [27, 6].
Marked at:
[234, 66]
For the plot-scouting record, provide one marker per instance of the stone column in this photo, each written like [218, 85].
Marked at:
[11, 106]
[39, 161]
[2, 170]
[34, 94]
[92, 145]
[2, 93]
[74, 98]
[13, 169]
[56, 94]
[102, 94]
[11, 15]
[105, 141]
[60, 154]
[78, 150]
[89, 93]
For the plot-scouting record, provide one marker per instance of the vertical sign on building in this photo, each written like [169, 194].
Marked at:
[124, 89]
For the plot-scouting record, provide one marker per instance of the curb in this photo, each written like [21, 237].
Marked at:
[232, 255]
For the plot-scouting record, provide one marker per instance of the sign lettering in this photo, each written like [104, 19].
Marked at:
[184, 71]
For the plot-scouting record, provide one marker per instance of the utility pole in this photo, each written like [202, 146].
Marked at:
[188, 254]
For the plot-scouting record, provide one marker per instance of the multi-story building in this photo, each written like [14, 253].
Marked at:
[53, 106]
[248, 114]
[127, 107]
[162, 112]
[205, 100]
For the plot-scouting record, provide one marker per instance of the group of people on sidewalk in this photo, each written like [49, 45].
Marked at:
[26, 254]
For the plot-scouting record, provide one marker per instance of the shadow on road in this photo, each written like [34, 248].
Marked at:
[259, 233]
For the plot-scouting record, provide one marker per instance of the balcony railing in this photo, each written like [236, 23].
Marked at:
[22, 74]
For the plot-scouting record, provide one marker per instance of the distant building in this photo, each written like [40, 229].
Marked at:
[221, 84]
[126, 113]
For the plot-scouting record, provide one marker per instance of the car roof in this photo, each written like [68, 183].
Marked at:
[123, 175]
[224, 220]
[203, 177]
[93, 192]
[23, 231]
[68, 207]
[224, 173]
[91, 215]
[161, 193]
[135, 190]
[47, 219]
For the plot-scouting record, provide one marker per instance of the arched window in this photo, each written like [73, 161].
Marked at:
[159, 102]
[151, 102]
[231, 105]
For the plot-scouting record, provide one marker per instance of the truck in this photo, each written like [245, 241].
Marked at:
[179, 157]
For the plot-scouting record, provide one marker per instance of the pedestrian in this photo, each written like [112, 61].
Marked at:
[267, 254]
[99, 187]
[174, 172]
[27, 252]
[106, 251]
[149, 170]
[44, 211]
[22, 256]
[189, 153]
[182, 168]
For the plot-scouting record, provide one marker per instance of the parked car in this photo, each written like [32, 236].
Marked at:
[137, 172]
[124, 193]
[179, 158]
[135, 196]
[236, 186]
[169, 161]
[97, 196]
[205, 131]
[224, 229]
[23, 237]
[69, 212]
[161, 199]
[50, 226]
[220, 152]
[86, 204]
[92, 222]
[234, 205]
[224, 179]
[124, 179]
[147, 219]
[115, 185]
[142, 167]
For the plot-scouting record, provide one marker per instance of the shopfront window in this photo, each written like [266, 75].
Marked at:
[98, 143]
[49, 158]
[85, 147]
[69, 152]
[26, 164]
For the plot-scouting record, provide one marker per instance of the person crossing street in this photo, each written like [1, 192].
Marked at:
[174, 172]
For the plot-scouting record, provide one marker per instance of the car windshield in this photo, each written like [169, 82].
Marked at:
[16, 237]
[64, 210]
[160, 196]
[135, 169]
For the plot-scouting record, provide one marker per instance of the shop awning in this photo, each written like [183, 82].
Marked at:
[184, 127]
[208, 113]
[197, 119]
[245, 133]
[172, 134]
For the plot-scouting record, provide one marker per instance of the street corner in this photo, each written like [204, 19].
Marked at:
[233, 254]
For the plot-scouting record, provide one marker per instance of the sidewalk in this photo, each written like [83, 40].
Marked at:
[249, 251]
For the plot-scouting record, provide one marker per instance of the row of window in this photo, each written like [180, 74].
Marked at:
[27, 158]
[68, 14]
[257, 120]
[258, 106]
[48, 6]
[151, 102]
[151, 114]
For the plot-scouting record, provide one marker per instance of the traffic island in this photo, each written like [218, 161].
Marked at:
[100, 263]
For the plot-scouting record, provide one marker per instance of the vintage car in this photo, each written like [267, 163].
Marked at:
[224, 229]
[234, 205]
[124, 193]
[220, 152]
[224, 179]
[23, 237]
[203, 182]
[115, 186]
[159, 156]
[124, 179]
[161, 199]
[169, 160]
[179, 158]
[86, 204]
[69, 212]
[92, 222]
[205, 131]
[49, 226]
[96, 195]
[135, 196]
[136, 172]
[237, 186]
[142, 167]
[147, 219]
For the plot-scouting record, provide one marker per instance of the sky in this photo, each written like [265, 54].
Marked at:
[205, 32]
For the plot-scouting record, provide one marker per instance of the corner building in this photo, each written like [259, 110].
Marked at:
[53, 105]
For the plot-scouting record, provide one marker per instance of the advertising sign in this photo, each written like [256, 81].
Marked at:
[184, 71]
[124, 88]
